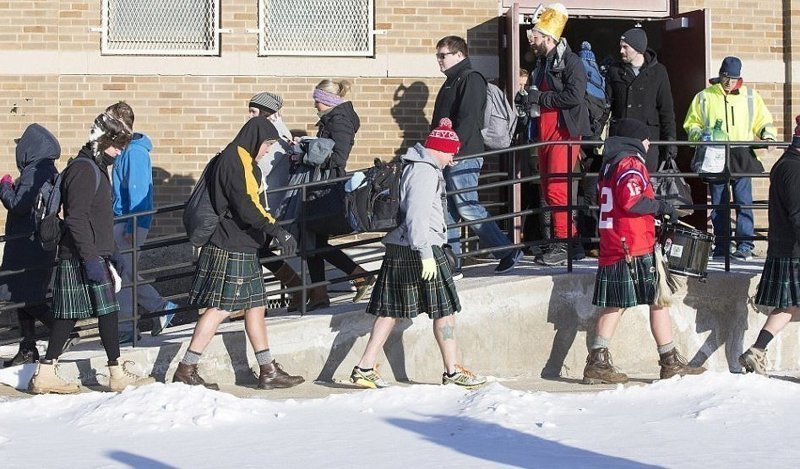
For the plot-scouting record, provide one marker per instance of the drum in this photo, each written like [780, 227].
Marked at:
[686, 250]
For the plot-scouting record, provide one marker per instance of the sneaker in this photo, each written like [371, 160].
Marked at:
[463, 377]
[555, 255]
[672, 363]
[458, 274]
[754, 360]
[600, 370]
[363, 286]
[509, 262]
[164, 321]
[367, 378]
[742, 254]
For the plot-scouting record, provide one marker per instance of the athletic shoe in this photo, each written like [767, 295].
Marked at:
[463, 377]
[458, 274]
[509, 262]
[742, 254]
[164, 321]
[367, 379]
[754, 360]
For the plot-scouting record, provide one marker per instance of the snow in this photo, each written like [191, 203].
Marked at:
[712, 420]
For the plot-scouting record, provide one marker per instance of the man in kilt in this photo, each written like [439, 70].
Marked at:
[415, 276]
[780, 280]
[228, 276]
[84, 286]
[626, 275]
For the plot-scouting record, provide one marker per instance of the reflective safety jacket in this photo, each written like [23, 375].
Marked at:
[744, 115]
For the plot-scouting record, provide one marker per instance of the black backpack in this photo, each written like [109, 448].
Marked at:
[375, 204]
[48, 224]
[199, 217]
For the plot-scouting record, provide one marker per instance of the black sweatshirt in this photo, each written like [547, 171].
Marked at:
[784, 205]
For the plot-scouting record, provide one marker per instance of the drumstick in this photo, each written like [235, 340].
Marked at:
[629, 260]
[682, 223]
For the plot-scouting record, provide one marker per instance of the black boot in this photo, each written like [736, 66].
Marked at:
[27, 353]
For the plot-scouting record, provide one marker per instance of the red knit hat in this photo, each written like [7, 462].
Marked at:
[443, 138]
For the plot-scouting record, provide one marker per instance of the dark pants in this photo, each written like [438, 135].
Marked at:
[27, 322]
[108, 325]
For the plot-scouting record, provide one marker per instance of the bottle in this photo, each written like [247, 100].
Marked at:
[705, 136]
[718, 134]
[534, 110]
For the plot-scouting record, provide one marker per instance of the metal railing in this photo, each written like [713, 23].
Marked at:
[167, 271]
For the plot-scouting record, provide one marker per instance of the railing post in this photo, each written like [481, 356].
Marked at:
[570, 203]
[726, 193]
[134, 278]
[300, 251]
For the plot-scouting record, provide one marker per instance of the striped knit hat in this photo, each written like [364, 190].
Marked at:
[266, 101]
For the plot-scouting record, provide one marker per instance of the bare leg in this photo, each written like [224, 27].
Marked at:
[661, 325]
[205, 329]
[607, 322]
[779, 318]
[381, 329]
[256, 328]
[444, 329]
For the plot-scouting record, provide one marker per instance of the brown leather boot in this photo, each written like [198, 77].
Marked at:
[187, 374]
[318, 298]
[362, 284]
[273, 377]
[289, 277]
[600, 370]
[672, 363]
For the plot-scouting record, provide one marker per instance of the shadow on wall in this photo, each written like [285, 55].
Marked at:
[169, 189]
[408, 111]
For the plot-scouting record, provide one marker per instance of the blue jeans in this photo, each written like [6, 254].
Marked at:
[466, 207]
[742, 194]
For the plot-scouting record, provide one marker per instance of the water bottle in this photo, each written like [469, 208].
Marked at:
[706, 135]
[718, 134]
[534, 110]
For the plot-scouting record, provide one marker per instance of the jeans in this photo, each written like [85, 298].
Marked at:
[147, 296]
[742, 194]
[466, 207]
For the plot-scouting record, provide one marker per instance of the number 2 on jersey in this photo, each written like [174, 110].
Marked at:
[606, 222]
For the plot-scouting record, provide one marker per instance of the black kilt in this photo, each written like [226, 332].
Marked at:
[227, 280]
[779, 286]
[614, 287]
[400, 292]
[74, 297]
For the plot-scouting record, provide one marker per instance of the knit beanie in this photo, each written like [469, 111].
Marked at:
[631, 128]
[266, 101]
[443, 138]
[636, 38]
[586, 52]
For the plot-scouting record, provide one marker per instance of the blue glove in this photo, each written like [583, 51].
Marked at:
[95, 270]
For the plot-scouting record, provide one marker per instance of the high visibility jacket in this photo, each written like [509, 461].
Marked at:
[744, 115]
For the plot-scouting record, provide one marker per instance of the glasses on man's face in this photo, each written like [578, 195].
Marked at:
[442, 55]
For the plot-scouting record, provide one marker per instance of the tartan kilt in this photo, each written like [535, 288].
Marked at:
[614, 287]
[400, 292]
[74, 297]
[227, 280]
[779, 286]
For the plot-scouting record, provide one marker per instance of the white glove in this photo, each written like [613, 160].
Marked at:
[429, 270]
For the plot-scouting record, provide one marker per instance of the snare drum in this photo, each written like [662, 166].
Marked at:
[686, 250]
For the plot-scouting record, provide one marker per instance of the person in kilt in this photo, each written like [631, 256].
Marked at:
[415, 276]
[84, 285]
[779, 286]
[228, 277]
[626, 274]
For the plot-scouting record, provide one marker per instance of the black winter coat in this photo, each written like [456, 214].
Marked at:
[462, 99]
[784, 206]
[646, 97]
[340, 124]
[566, 80]
[37, 151]
[88, 215]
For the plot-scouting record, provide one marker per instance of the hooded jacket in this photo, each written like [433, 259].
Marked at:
[235, 191]
[422, 202]
[36, 153]
[132, 178]
[462, 99]
[646, 97]
[339, 124]
[784, 205]
[566, 79]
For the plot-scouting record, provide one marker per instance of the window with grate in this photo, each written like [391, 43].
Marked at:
[316, 27]
[160, 27]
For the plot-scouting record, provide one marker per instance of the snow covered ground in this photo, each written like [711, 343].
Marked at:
[713, 420]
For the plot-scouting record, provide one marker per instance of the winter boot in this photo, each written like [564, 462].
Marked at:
[290, 279]
[187, 374]
[362, 284]
[600, 370]
[46, 380]
[120, 377]
[754, 360]
[272, 376]
[672, 363]
[27, 353]
[318, 298]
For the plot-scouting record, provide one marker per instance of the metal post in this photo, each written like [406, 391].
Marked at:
[570, 203]
[303, 265]
[134, 278]
[726, 193]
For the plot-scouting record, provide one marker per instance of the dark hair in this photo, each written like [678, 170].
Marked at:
[454, 43]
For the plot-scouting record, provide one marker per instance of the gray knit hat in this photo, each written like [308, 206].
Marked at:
[266, 101]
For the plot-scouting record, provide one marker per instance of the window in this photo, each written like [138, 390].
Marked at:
[316, 27]
[160, 27]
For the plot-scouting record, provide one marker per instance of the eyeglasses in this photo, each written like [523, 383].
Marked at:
[442, 55]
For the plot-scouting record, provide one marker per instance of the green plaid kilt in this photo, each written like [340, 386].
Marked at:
[399, 291]
[74, 297]
[614, 287]
[227, 280]
[780, 283]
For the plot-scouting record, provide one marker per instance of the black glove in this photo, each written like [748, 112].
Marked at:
[96, 271]
[534, 96]
[521, 98]
[285, 240]
[672, 152]
[667, 211]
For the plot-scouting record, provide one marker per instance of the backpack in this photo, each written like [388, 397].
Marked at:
[48, 224]
[374, 203]
[499, 117]
[595, 97]
[199, 217]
